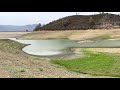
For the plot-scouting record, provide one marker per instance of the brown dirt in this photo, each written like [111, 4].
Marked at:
[72, 34]
[108, 50]
[5, 35]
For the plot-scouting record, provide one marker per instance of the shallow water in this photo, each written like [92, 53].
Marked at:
[61, 46]
[47, 47]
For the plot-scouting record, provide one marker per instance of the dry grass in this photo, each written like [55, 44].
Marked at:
[72, 34]
[108, 50]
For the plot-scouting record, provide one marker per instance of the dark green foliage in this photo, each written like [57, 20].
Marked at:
[38, 27]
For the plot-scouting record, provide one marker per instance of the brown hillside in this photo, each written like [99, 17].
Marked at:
[83, 22]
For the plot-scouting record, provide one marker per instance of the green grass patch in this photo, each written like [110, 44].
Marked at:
[103, 37]
[93, 63]
[22, 70]
[40, 69]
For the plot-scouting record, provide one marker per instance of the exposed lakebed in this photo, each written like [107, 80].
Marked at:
[53, 47]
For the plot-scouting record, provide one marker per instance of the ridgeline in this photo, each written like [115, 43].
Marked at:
[84, 22]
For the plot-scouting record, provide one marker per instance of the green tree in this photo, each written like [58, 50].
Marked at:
[38, 27]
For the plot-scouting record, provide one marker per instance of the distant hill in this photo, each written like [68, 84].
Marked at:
[6, 28]
[83, 22]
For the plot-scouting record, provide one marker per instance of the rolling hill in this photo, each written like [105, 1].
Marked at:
[84, 22]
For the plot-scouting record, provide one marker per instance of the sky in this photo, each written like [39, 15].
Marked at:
[25, 18]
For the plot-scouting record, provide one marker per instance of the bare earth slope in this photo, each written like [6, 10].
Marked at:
[15, 63]
[73, 34]
[5, 35]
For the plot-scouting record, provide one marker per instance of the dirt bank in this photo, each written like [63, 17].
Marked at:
[15, 63]
[72, 34]
[5, 35]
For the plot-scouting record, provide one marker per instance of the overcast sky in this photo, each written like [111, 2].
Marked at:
[24, 18]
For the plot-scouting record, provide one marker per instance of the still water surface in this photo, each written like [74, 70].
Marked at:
[61, 46]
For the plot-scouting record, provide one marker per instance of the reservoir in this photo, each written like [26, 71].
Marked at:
[61, 46]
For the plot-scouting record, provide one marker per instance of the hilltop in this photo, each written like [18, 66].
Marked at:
[84, 22]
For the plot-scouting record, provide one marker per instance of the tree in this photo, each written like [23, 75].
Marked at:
[26, 30]
[39, 26]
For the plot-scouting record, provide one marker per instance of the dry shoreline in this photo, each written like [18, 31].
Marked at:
[5, 35]
[72, 34]
[78, 35]
[17, 64]
[23, 65]
[107, 50]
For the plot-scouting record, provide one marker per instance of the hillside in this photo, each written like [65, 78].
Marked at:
[83, 22]
[7, 28]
